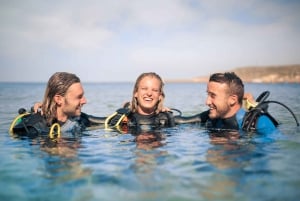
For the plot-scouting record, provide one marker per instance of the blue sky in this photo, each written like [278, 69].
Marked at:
[116, 40]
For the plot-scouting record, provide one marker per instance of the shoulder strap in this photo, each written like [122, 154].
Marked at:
[117, 117]
[251, 117]
[165, 119]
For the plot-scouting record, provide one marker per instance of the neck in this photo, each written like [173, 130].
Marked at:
[145, 111]
[233, 110]
[61, 116]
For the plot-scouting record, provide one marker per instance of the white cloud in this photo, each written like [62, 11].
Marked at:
[173, 37]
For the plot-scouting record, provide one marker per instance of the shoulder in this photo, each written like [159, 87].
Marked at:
[166, 114]
[259, 121]
[204, 116]
[31, 124]
[265, 124]
[84, 120]
[166, 119]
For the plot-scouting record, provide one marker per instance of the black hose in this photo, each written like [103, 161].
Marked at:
[177, 110]
[297, 122]
[263, 96]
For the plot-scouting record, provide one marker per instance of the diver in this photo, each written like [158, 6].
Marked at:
[146, 110]
[61, 109]
[225, 98]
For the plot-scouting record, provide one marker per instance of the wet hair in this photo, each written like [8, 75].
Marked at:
[58, 84]
[234, 83]
[134, 103]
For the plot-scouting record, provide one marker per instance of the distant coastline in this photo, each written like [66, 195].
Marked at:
[258, 74]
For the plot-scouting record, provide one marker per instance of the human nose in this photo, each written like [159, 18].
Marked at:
[83, 100]
[208, 100]
[149, 92]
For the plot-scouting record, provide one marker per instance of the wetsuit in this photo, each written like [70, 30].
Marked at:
[138, 122]
[34, 124]
[263, 125]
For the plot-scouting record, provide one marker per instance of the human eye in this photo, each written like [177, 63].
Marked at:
[155, 90]
[143, 88]
[80, 96]
[211, 95]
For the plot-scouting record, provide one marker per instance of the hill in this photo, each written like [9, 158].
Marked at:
[264, 74]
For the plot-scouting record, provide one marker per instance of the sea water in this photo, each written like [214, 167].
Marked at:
[184, 164]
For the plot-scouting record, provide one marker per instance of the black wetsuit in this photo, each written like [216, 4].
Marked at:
[34, 124]
[230, 123]
[264, 123]
[203, 118]
[150, 122]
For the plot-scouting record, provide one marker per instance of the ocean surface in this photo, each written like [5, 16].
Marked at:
[185, 163]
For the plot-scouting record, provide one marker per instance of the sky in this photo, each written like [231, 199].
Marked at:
[117, 40]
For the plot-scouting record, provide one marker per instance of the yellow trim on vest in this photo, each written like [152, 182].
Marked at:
[51, 133]
[15, 121]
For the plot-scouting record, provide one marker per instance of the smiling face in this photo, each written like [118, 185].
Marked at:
[71, 103]
[219, 100]
[148, 94]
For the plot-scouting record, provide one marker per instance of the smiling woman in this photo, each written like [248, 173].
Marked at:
[146, 107]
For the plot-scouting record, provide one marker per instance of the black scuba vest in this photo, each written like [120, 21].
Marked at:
[31, 125]
[230, 123]
[150, 122]
[35, 124]
[223, 124]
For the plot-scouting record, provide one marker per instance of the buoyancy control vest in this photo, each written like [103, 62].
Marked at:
[31, 125]
[34, 124]
[256, 116]
[124, 120]
[152, 121]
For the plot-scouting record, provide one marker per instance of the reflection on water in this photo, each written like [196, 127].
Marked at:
[62, 163]
[225, 151]
[149, 140]
[147, 160]
[224, 156]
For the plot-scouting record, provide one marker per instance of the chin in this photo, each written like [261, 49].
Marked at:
[212, 115]
[78, 113]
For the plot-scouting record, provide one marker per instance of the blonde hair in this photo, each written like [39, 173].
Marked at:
[58, 84]
[134, 102]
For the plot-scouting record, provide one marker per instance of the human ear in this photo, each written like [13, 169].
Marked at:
[160, 97]
[58, 99]
[232, 100]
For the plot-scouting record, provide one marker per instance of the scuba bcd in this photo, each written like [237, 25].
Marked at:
[123, 119]
[32, 125]
[114, 120]
[261, 108]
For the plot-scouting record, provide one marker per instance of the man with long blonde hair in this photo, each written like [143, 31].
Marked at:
[63, 100]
